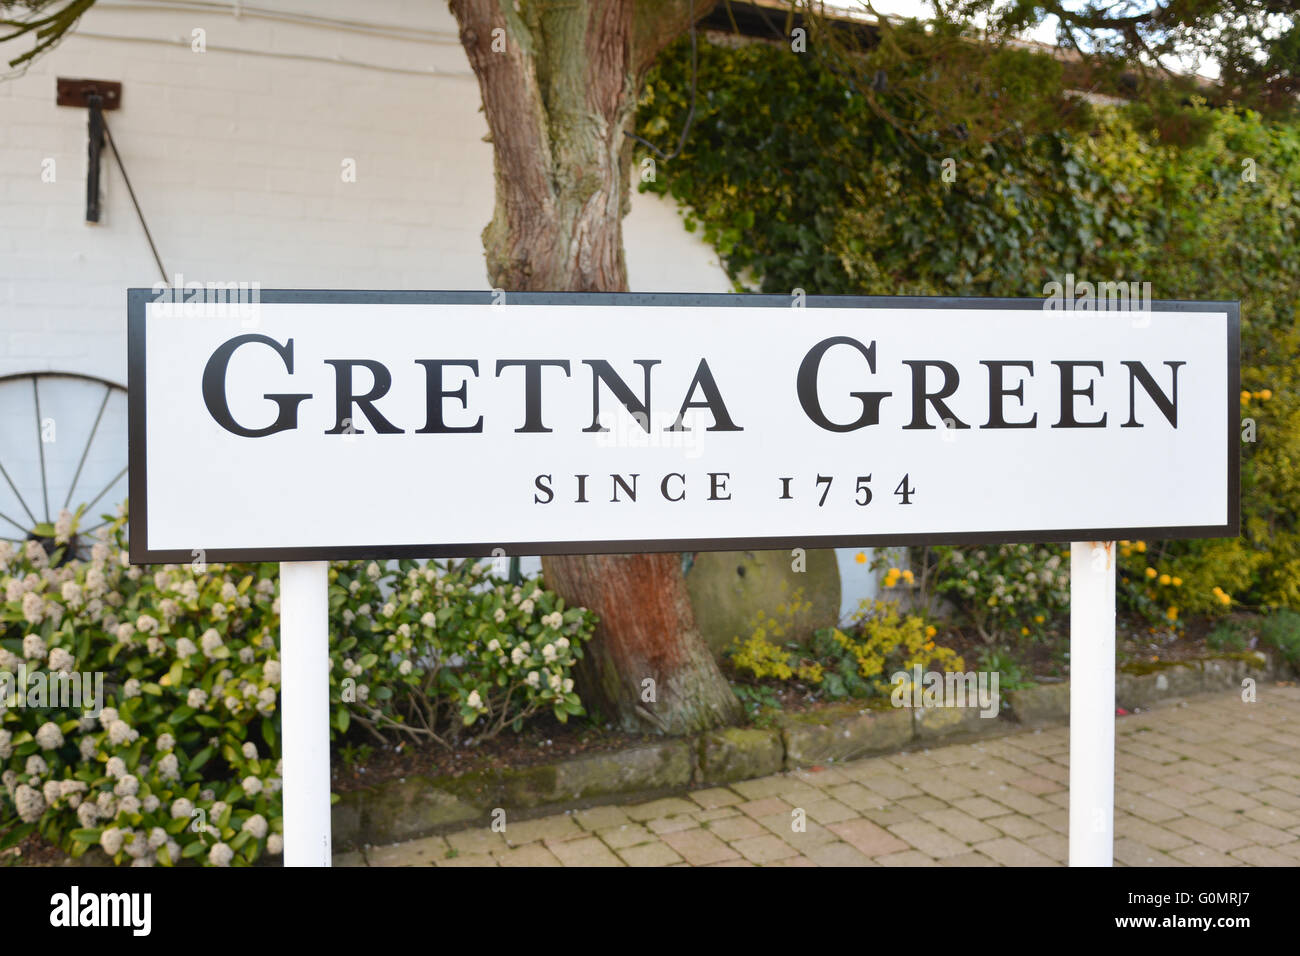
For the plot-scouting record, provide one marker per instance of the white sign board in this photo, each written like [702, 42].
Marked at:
[314, 425]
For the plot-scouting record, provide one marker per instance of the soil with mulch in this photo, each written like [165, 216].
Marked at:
[545, 740]
[32, 850]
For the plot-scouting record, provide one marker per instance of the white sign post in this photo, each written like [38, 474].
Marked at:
[312, 426]
[1092, 703]
[305, 711]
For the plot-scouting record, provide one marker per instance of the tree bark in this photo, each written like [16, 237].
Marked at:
[559, 81]
[648, 668]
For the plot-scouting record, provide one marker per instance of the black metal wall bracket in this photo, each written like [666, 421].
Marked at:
[95, 96]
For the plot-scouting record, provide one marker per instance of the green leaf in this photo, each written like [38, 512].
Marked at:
[192, 850]
[15, 834]
[200, 759]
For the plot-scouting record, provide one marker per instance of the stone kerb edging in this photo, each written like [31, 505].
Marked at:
[419, 806]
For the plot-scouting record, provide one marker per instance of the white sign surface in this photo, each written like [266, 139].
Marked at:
[347, 424]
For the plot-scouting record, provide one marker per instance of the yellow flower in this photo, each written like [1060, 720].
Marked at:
[1024, 631]
[1126, 543]
[1266, 394]
[931, 630]
[812, 673]
[908, 577]
[1172, 614]
[1178, 582]
[1245, 398]
[1067, 552]
[1165, 579]
[1039, 619]
[1151, 572]
[860, 557]
[1140, 547]
[1125, 552]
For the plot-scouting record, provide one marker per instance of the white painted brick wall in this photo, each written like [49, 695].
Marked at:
[236, 159]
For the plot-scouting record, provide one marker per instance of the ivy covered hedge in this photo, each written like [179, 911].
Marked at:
[799, 183]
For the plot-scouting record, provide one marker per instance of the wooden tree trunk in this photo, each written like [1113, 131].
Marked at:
[648, 668]
[559, 80]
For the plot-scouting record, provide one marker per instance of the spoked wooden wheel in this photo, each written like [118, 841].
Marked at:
[63, 444]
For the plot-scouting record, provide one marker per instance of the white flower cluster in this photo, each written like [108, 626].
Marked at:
[49, 736]
[61, 659]
[210, 642]
[29, 803]
[33, 646]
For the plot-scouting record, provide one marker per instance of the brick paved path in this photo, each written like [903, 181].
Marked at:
[1209, 781]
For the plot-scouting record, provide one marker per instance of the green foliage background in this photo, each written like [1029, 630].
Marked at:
[800, 181]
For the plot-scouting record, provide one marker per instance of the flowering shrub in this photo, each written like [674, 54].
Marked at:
[1009, 589]
[182, 761]
[1019, 589]
[436, 650]
[856, 661]
[1164, 581]
[764, 653]
[860, 660]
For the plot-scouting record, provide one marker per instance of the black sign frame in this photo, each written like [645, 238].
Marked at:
[140, 553]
